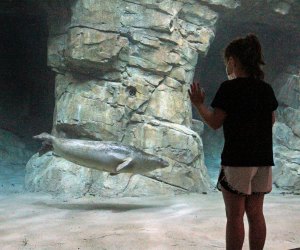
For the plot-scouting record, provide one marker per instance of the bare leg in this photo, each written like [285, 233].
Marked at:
[235, 210]
[256, 219]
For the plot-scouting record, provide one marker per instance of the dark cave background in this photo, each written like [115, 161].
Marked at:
[26, 82]
[26, 88]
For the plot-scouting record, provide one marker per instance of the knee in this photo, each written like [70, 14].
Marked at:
[236, 215]
[254, 208]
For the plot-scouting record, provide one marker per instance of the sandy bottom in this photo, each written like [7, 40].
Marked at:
[194, 221]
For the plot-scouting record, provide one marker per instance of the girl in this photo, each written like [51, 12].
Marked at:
[244, 105]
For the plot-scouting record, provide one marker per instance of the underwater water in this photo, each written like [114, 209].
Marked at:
[82, 69]
[27, 83]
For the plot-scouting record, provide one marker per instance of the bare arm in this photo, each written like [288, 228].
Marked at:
[214, 118]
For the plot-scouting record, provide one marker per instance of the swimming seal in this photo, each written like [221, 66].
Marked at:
[109, 156]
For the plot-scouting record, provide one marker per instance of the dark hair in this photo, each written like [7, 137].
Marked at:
[248, 51]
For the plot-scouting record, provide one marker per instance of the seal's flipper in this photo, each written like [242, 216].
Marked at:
[124, 164]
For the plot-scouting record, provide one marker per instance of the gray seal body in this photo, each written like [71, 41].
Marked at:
[113, 157]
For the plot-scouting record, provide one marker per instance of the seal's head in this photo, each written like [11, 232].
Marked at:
[152, 162]
[161, 162]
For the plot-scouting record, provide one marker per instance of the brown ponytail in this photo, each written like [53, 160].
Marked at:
[248, 51]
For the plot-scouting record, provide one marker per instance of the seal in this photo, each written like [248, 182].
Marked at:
[109, 156]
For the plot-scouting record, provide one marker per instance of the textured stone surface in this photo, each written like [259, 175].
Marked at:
[123, 70]
[56, 175]
[12, 148]
[226, 3]
[14, 154]
[289, 91]
[124, 76]
[90, 50]
[286, 173]
[287, 131]
[275, 13]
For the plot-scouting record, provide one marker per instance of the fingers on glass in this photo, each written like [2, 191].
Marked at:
[195, 88]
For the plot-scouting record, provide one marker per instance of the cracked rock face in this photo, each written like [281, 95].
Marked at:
[287, 131]
[123, 71]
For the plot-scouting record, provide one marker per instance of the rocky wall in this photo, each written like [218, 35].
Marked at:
[287, 130]
[14, 154]
[123, 71]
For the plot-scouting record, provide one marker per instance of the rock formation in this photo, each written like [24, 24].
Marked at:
[123, 68]
[14, 154]
[123, 71]
[287, 130]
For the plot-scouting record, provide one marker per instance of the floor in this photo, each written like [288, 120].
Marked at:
[192, 221]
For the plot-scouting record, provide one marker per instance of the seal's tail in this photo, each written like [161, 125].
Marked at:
[46, 144]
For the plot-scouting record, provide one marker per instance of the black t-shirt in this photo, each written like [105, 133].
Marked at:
[249, 103]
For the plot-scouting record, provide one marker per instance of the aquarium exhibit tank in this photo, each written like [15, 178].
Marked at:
[120, 71]
[100, 146]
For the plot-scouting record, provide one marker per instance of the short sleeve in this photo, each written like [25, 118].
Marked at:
[221, 99]
[272, 99]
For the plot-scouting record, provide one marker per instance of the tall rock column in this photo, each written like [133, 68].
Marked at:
[123, 71]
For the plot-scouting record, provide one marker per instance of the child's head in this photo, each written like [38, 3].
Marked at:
[248, 52]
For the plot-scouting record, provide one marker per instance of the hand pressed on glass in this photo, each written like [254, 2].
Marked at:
[197, 94]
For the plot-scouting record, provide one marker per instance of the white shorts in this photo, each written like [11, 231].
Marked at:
[246, 180]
